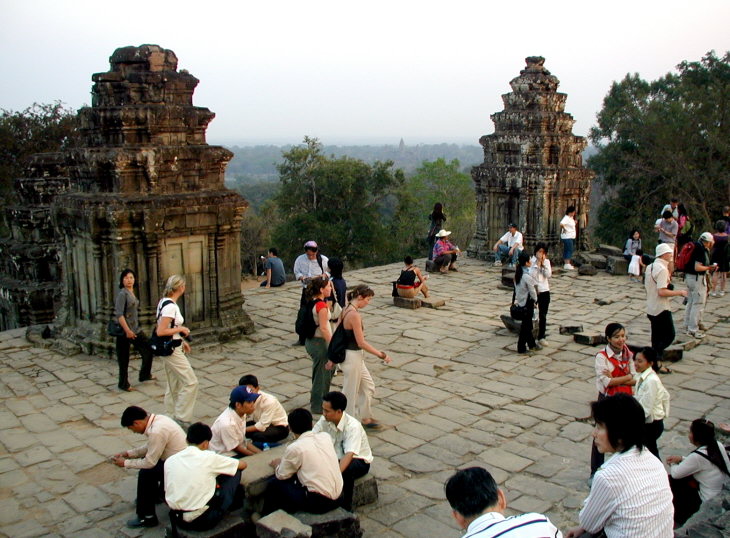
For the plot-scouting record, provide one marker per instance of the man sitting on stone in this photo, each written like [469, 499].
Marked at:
[269, 423]
[274, 267]
[478, 507]
[229, 429]
[200, 485]
[445, 252]
[307, 477]
[350, 441]
[164, 438]
[509, 247]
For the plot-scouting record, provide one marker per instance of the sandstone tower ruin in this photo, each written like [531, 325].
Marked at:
[533, 168]
[147, 192]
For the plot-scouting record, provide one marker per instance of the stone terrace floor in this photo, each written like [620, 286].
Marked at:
[457, 394]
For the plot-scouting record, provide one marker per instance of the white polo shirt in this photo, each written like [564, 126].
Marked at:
[228, 432]
[347, 436]
[512, 240]
[190, 477]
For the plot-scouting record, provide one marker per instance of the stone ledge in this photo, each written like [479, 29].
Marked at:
[431, 302]
[589, 339]
[280, 524]
[338, 523]
[365, 491]
[230, 526]
[404, 302]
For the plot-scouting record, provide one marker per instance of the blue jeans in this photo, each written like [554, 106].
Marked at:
[503, 254]
[568, 248]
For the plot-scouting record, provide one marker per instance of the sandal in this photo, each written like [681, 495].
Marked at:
[665, 370]
[372, 425]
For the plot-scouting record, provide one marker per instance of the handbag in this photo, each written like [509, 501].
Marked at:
[163, 346]
[516, 311]
[114, 329]
[337, 348]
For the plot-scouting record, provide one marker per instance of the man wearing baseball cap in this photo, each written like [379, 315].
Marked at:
[659, 299]
[229, 429]
[695, 276]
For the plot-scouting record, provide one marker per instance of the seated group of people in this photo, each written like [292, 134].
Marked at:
[198, 475]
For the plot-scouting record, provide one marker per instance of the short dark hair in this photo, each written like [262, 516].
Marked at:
[639, 252]
[613, 328]
[249, 380]
[541, 245]
[131, 414]
[336, 267]
[623, 418]
[408, 260]
[198, 432]
[673, 200]
[570, 209]
[300, 421]
[126, 272]
[471, 491]
[336, 399]
[651, 356]
[667, 214]
[274, 251]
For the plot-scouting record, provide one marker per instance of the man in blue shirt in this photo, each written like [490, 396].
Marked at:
[274, 267]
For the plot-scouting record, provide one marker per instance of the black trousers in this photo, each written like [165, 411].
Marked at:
[526, 337]
[142, 345]
[652, 432]
[543, 304]
[355, 470]
[662, 331]
[272, 434]
[686, 498]
[150, 486]
[218, 505]
[444, 260]
[291, 496]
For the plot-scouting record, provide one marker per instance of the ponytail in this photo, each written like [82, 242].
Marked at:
[703, 433]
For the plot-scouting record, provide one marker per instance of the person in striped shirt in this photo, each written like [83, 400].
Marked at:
[630, 493]
[478, 507]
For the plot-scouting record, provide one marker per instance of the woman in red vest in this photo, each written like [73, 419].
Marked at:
[615, 372]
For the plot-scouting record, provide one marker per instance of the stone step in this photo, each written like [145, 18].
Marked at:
[589, 339]
[338, 523]
[365, 491]
[230, 526]
[280, 524]
[432, 302]
[405, 302]
[571, 329]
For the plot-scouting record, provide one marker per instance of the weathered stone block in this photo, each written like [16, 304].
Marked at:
[617, 265]
[230, 526]
[589, 339]
[431, 267]
[508, 277]
[609, 250]
[515, 325]
[258, 471]
[596, 260]
[404, 302]
[365, 491]
[338, 523]
[587, 269]
[571, 329]
[279, 524]
[673, 353]
[432, 302]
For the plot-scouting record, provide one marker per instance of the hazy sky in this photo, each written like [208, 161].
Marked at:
[355, 72]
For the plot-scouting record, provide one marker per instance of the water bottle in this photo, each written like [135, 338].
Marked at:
[266, 447]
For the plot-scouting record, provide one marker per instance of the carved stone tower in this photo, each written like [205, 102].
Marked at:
[148, 194]
[533, 168]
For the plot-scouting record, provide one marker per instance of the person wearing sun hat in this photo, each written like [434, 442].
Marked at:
[659, 293]
[444, 252]
[695, 276]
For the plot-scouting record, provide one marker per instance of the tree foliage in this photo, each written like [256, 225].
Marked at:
[662, 139]
[339, 202]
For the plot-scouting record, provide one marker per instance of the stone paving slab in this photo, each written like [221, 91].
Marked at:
[457, 394]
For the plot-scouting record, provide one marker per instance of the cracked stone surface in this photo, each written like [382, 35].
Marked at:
[457, 394]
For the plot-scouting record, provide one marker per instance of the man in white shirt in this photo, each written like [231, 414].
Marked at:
[269, 424]
[509, 246]
[478, 507]
[229, 429]
[200, 485]
[567, 236]
[672, 206]
[350, 442]
[164, 439]
[307, 477]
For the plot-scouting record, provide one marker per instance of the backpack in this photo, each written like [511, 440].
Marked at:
[685, 256]
[306, 325]
[337, 348]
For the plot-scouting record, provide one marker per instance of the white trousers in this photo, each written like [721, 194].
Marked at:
[182, 386]
[358, 385]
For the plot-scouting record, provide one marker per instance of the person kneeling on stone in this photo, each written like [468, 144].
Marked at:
[269, 424]
[444, 252]
[350, 442]
[478, 507]
[200, 485]
[307, 477]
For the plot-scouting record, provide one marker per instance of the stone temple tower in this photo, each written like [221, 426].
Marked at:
[533, 168]
[148, 194]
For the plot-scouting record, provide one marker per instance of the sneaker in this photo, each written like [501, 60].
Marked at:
[713, 294]
[721, 294]
[568, 267]
[498, 263]
[542, 342]
[537, 347]
[696, 334]
[511, 266]
[147, 521]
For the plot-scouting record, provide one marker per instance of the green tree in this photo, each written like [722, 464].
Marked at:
[662, 139]
[437, 181]
[339, 202]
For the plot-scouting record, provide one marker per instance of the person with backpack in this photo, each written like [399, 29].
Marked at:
[307, 266]
[685, 227]
[315, 326]
[182, 385]
[719, 255]
[698, 477]
[659, 293]
[696, 275]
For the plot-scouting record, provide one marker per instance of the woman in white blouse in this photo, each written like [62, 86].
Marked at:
[541, 271]
[708, 467]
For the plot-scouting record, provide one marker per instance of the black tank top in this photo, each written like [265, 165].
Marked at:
[407, 278]
[350, 335]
